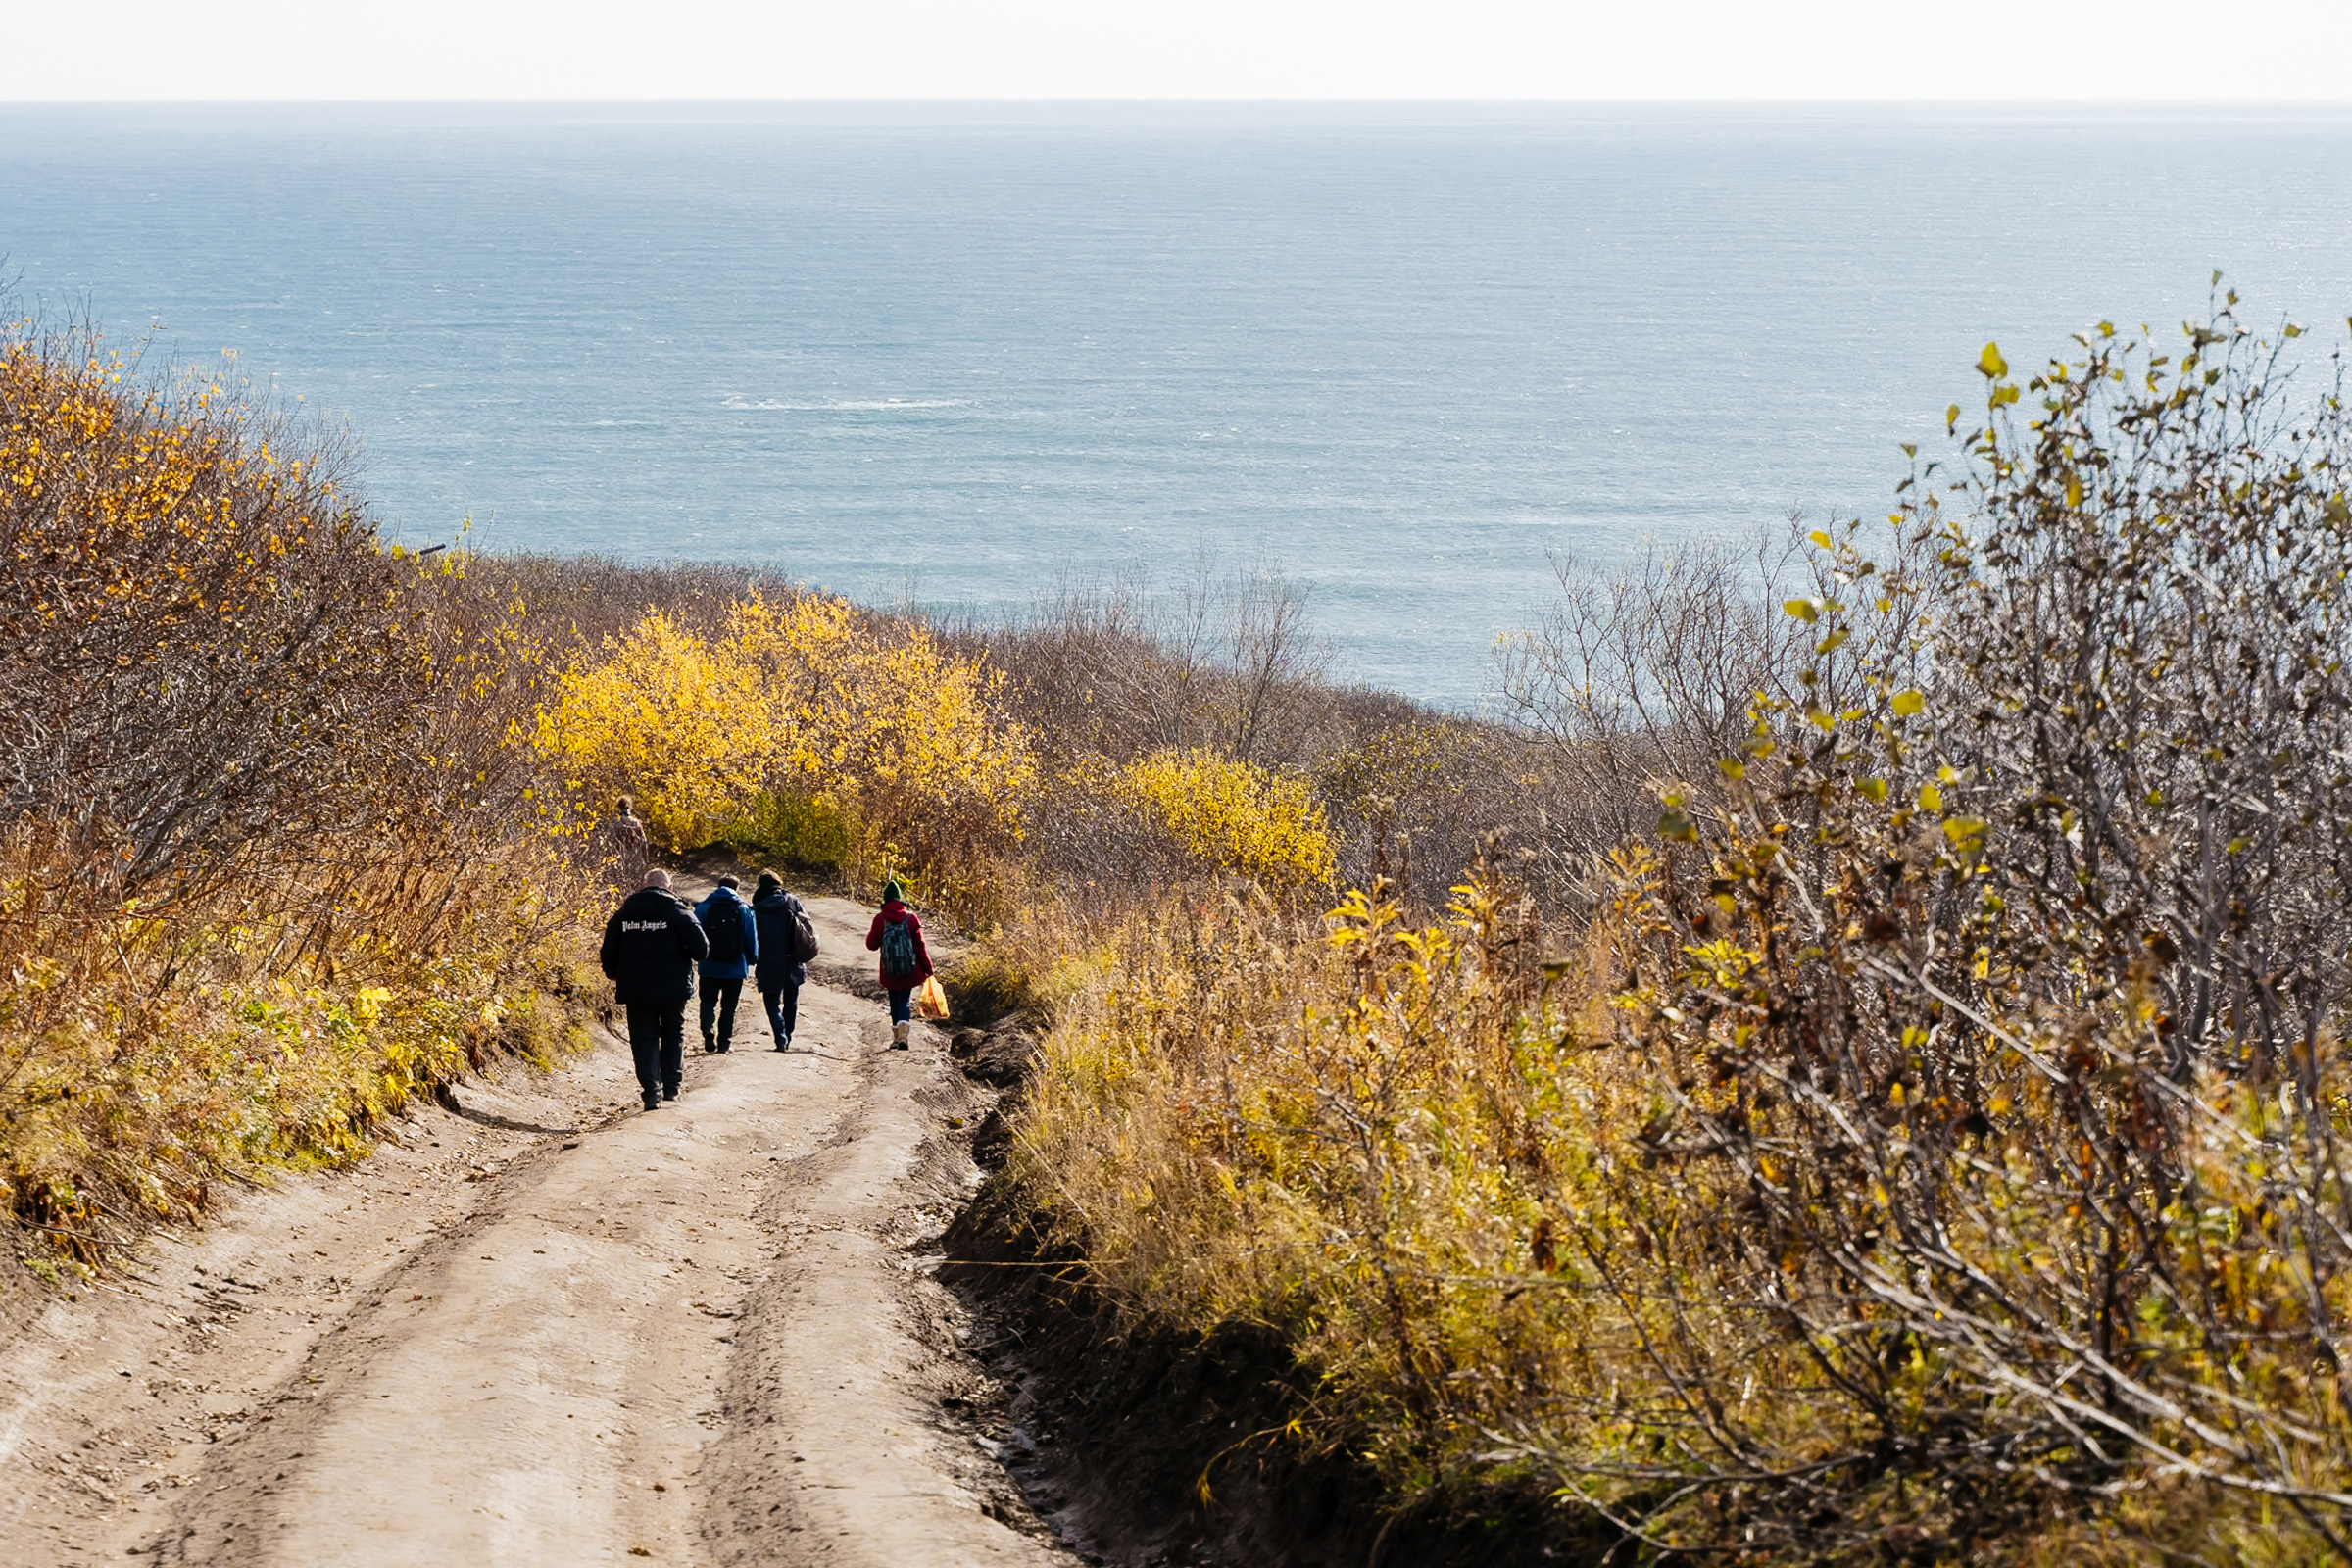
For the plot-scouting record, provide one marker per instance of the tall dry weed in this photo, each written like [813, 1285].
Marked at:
[271, 859]
[1930, 1148]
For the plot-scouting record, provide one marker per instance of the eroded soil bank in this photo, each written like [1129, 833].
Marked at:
[1154, 1450]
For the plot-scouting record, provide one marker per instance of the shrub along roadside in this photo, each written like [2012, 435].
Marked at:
[271, 862]
[1930, 1150]
[807, 727]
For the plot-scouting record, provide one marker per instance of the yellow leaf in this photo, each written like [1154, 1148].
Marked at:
[1991, 364]
[1909, 701]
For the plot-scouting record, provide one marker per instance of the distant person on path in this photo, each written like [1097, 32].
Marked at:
[734, 946]
[906, 964]
[651, 945]
[626, 832]
[787, 941]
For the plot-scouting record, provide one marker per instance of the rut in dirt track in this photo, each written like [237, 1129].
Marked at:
[705, 1333]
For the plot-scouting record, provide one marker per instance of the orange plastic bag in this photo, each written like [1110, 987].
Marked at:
[931, 1001]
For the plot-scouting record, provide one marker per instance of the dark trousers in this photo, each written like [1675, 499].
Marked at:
[783, 1003]
[721, 994]
[658, 1042]
[902, 1006]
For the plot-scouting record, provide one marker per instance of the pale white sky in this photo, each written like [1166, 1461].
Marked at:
[2149, 51]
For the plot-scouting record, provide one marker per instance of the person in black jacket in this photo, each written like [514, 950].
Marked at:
[651, 946]
[783, 971]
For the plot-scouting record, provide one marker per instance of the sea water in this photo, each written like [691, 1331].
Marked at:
[1407, 355]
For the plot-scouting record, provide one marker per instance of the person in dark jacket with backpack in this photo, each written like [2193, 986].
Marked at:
[734, 947]
[651, 945]
[787, 941]
[898, 936]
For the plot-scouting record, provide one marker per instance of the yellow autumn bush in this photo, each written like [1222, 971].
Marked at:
[270, 859]
[665, 718]
[1929, 1147]
[803, 698]
[1236, 816]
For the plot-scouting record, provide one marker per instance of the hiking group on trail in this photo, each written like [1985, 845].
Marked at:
[656, 943]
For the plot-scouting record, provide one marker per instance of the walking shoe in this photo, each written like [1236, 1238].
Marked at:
[652, 1101]
[670, 1091]
[708, 1044]
[784, 1044]
[897, 1035]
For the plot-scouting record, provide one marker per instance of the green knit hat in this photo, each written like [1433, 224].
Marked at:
[892, 890]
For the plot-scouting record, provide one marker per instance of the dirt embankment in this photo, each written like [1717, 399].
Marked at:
[545, 1327]
[1154, 1450]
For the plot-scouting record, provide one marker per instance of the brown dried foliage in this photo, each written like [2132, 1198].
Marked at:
[267, 862]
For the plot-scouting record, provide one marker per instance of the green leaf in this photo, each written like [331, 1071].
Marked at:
[1909, 701]
[1959, 828]
[1872, 788]
[1991, 364]
[1829, 644]
[1804, 608]
[1733, 768]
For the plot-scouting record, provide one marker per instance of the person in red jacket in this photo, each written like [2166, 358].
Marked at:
[906, 964]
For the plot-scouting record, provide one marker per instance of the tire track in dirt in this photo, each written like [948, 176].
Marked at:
[696, 1335]
[854, 1361]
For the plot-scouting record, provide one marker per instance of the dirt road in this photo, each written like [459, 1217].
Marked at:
[548, 1328]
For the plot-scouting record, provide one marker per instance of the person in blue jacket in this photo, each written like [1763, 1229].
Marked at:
[786, 941]
[734, 938]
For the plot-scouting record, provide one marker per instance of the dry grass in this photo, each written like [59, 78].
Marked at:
[1922, 1138]
[270, 861]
